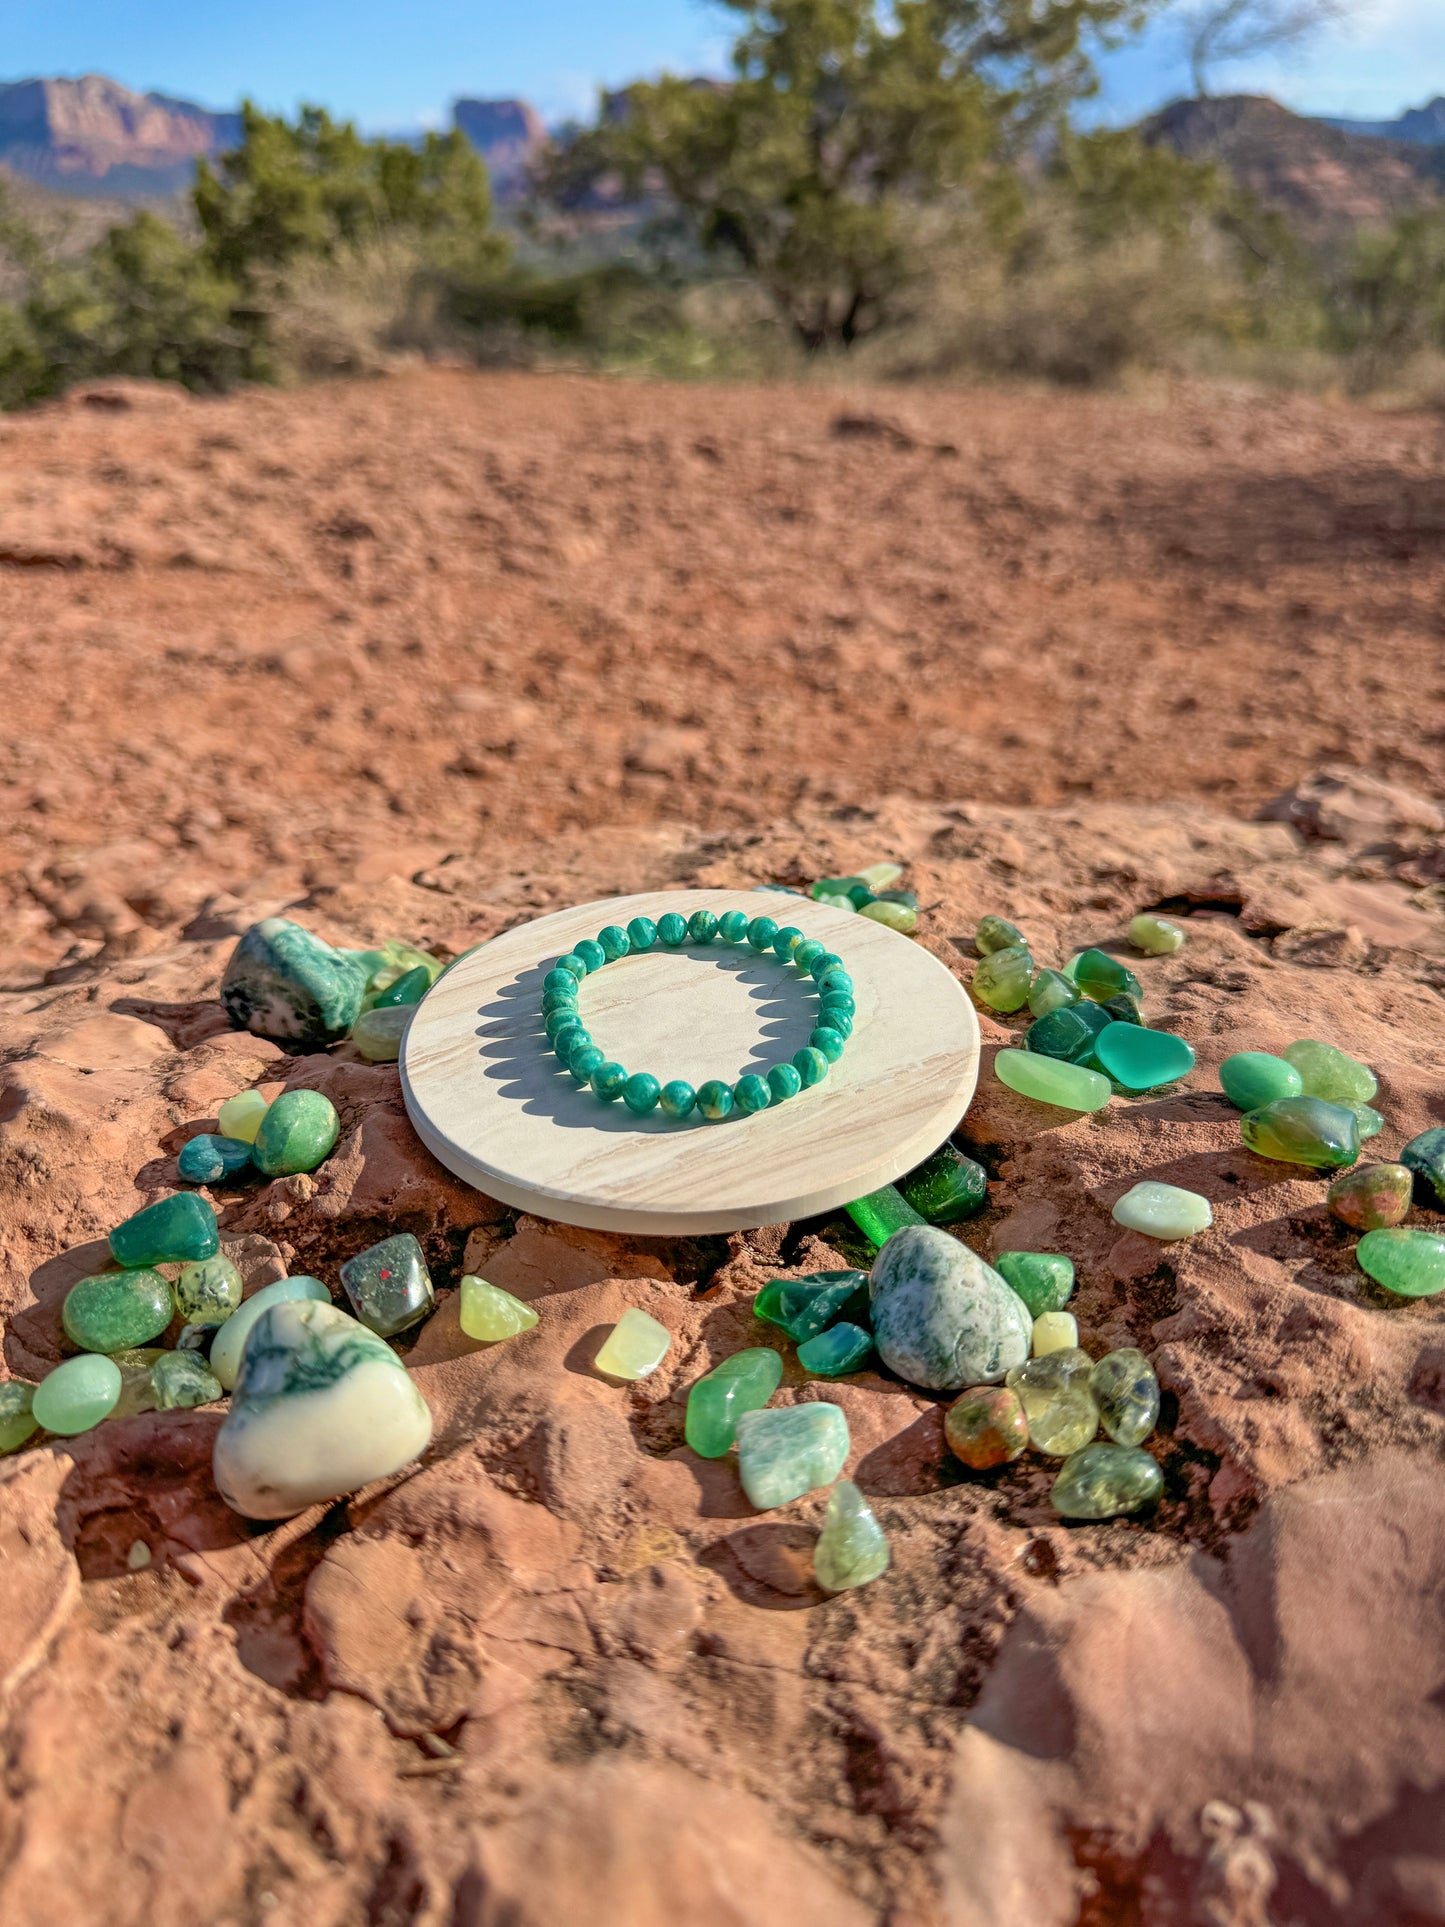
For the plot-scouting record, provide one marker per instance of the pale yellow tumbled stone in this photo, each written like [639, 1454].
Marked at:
[880, 876]
[490, 1314]
[1055, 1331]
[635, 1346]
[240, 1116]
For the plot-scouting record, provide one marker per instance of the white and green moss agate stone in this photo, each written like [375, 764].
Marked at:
[230, 1340]
[322, 1406]
[942, 1318]
[283, 983]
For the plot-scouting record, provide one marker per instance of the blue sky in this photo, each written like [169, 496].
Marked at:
[396, 66]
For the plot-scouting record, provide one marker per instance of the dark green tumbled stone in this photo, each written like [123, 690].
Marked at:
[607, 1080]
[828, 1041]
[761, 932]
[642, 933]
[702, 926]
[591, 953]
[1303, 1130]
[171, 1231]
[1424, 1158]
[785, 941]
[859, 894]
[1068, 1032]
[1100, 976]
[1123, 1008]
[282, 982]
[641, 1093]
[811, 1066]
[732, 926]
[389, 1285]
[784, 1082]
[672, 929]
[678, 1098]
[208, 1159]
[117, 1310]
[751, 1094]
[803, 1307]
[842, 1348]
[409, 988]
[615, 941]
[946, 1187]
[715, 1100]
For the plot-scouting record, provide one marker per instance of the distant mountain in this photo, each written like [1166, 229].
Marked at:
[1423, 124]
[508, 134]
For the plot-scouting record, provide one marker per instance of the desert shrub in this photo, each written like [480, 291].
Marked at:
[1388, 308]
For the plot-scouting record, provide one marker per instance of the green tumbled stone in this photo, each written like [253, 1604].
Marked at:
[788, 1450]
[207, 1292]
[640, 1093]
[170, 1231]
[283, 983]
[1253, 1078]
[677, 1098]
[1098, 975]
[743, 1383]
[615, 941]
[209, 1159]
[996, 933]
[1369, 1120]
[1424, 1156]
[1049, 1080]
[1155, 936]
[297, 1133]
[811, 1066]
[1123, 1008]
[1406, 1260]
[751, 1093]
[941, 1317]
[732, 926]
[784, 1082]
[851, 1549]
[409, 988]
[806, 954]
[635, 1347]
[715, 1100]
[17, 1418]
[1329, 1073]
[672, 929]
[229, 1345]
[803, 1307]
[592, 953]
[1164, 1211]
[1068, 1032]
[946, 1187]
[702, 926]
[1043, 1279]
[180, 1380]
[1105, 1481]
[860, 896]
[377, 1034]
[1303, 1130]
[389, 1285]
[1372, 1196]
[986, 1426]
[77, 1395]
[761, 932]
[1001, 981]
[1126, 1392]
[880, 1213]
[786, 941]
[842, 1348]
[1051, 990]
[1057, 1400]
[642, 933]
[901, 917]
[489, 1315]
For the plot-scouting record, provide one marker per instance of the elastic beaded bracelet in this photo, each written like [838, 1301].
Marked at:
[590, 1065]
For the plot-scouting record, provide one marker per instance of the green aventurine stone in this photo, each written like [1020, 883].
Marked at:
[229, 1344]
[183, 1379]
[804, 1306]
[410, 987]
[1253, 1078]
[377, 1034]
[1424, 1156]
[389, 1285]
[946, 1187]
[996, 933]
[1155, 936]
[297, 1133]
[986, 1427]
[1002, 979]
[1043, 1279]
[851, 1549]
[77, 1395]
[1303, 1130]
[1057, 1400]
[489, 1314]
[743, 1383]
[17, 1420]
[207, 1292]
[283, 983]
[881, 1213]
[1407, 1261]
[789, 1450]
[1069, 1032]
[842, 1348]
[1104, 1481]
[1050, 1081]
[170, 1232]
[1164, 1211]
[209, 1159]
[1051, 990]
[1126, 1392]
[1328, 1073]
[1099, 975]
[1372, 1196]
[117, 1310]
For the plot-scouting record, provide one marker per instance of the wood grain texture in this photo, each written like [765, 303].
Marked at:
[490, 1100]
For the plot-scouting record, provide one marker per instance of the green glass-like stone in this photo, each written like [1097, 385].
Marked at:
[1406, 1260]
[880, 1213]
[1164, 1211]
[751, 1093]
[702, 926]
[297, 1133]
[743, 1383]
[842, 1348]
[615, 941]
[1253, 1078]
[784, 1082]
[77, 1395]
[208, 1291]
[642, 933]
[169, 1232]
[1043, 1279]
[761, 932]
[1303, 1130]
[1126, 1392]
[607, 1080]
[409, 988]
[672, 929]
[389, 1285]
[1369, 1120]
[640, 1093]
[732, 926]
[183, 1379]
[1372, 1196]
[1424, 1157]
[1328, 1073]
[946, 1187]
[807, 953]
[240, 1116]
[1155, 936]
[851, 1549]
[1104, 1481]
[995, 933]
[786, 941]
[1048, 1080]
[283, 983]
[584, 1060]
[377, 1034]
[1057, 1400]
[788, 1450]
[17, 1418]
[986, 1426]
[592, 953]
[488, 1314]
[1099, 975]
[715, 1100]
[1068, 1032]
[229, 1344]
[802, 1307]
[209, 1159]
[677, 1098]
[635, 1347]
[1123, 1009]
[1051, 990]
[901, 917]
[811, 1066]
[1001, 981]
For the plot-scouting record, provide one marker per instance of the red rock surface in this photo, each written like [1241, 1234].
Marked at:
[561, 1670]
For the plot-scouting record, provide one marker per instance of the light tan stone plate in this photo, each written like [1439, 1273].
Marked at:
[490, 1100]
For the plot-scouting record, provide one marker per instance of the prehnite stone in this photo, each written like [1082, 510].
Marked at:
[297, 1133]
[209, 1159]
[240, 1116]
[1043, 1279]
[1329, 1073]
[1002, 979]
[321, 1406]
[881, 1213]
[789, 1450]
[1163, 1210]
[743, 1383]
[1105, 1481]
[377, 1034]
[1068, 1032]
[230, 1341]
[389, 1285]
[1424, 1157]
[946, 1187]
[1057, 1400]
[996, 933]
[1051, 990]
[180, 1380]
[1369, 1120]
[803, 1307]
[1141, 1060]
[986, 1427]
[893, 916]
[208, 1291]
[842, 1348]
[283, 983]
[879, 876]
[1252, 1078]
[1099, 975]
[1372, 1196]
[117, 1310]
[636, 1346]
[942, 1318]
[851, 1548]
[1048, 1080]
[1155, 936]
[1408, 1261]
[1126, 1392]
[17, 1418]
[1304, 1130]
[489, 1314]
[1055, 1331]
[77, 1395]
[137, 1393]
[170, 1232]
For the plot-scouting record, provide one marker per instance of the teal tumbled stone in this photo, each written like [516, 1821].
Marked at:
[784, 1082]
[1068, 1032]
[806, 954]
[641, 1093]
[852, 1549]
[1142, 1060]
[1251, 1079]
[678, 1098]
[672, 929]
[842, 1348]
[591, 953]
[946, 1187]
[642, 933]
[1405, 1259]
[77, 1395]
[785, 1451]
[117, 1310]
[732, 926]
[1424, 1158]
[172, 1231]
[1098, 975]
[829, 1041]
[615, 941]
[209, 1159]
[811, 1066]
[1051, 990]
[715, 1100]
[1303, 1130]
[785, 941]
[283, 983]
[389, 1285]
[298, 1132]
[761, 932]
[607, 1079]
[742, 1383]
[1105, 1481]
[803, 1307]
[1043, 1279]
[751, 1094]
[702, 926]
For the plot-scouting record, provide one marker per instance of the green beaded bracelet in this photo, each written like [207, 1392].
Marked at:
[590, 1065]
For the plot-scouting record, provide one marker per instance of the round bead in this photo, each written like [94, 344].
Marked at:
[715, 1100]
[559, 979]
[672, 929]
[806, 953]
[838, 1020]
[751, 1094]
[702, 926]
[785, 941]
[820, 966]
[573, 964]
[678, 1097]
[642, 933]
[732, 926]
[828, 1041]
[761, 932]
[641, 1092]
[556, 1021]
[572, 1040]
[784, 1081]
[615, 941]
[591, 953]
[811, 1066]
[836, 980]
[607, 1080]
[584, 1063]
[559, 1000]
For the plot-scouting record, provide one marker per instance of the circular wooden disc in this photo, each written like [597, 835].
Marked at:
[488, 1097]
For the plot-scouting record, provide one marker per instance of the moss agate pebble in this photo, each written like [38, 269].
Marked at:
[1372, 1196]
[852, 1549]
[208, 1291]
[1105, 1481]
[1251, 1079]
[117, 1310]
[283, 983]
[788, 1450]
[1068, 1032]
[1304, 1130]
[1406, 1260]
[209, 1159]
[743, 1383]
[946, 1187]
[1126, 1392]
[180, 1380]
[230, 1341]
[942, 1318]
[1424, 1158]
[298, 1132]
[1043, 1279]
[389, 1285]
[77, 1395]
[172, 1231]
[986, 1427]
[17, 1416]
